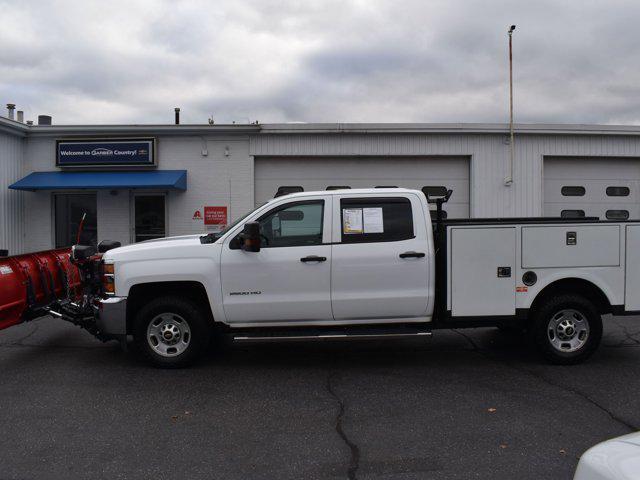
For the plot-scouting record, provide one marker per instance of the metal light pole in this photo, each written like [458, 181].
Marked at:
[509, 179]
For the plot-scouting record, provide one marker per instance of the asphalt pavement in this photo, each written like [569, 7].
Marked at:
[465, 404]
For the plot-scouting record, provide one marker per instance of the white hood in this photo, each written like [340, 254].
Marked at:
[156, 248]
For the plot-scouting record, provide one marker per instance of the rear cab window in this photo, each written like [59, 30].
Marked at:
[378, 218]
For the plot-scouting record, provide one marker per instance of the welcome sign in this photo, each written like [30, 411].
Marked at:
[121, 152]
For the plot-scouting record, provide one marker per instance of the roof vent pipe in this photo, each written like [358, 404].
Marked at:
[20, 116]
[177, 110]
[44, 119]
[10, 109]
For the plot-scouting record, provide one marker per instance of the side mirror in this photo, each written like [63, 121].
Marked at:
[250, 237]
[82, 252]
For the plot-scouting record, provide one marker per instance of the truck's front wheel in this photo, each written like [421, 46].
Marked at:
[567, 329]
[171, 332]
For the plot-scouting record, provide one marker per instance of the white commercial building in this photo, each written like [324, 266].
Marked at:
[137, 182]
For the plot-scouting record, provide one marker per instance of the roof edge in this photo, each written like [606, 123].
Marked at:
[13, 127]
[17, 128]
[434, 128]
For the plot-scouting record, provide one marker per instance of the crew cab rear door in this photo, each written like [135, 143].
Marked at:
[381, 259]
[288, 280]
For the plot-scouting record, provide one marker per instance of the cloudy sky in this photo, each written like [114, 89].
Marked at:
[132, 61]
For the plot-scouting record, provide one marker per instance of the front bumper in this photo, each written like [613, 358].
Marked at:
[112, 316]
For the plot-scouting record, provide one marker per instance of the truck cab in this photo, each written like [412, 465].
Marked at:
[334, 258]
[321, 259]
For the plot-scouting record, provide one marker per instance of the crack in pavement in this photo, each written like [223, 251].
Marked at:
[542, 378]
[354, 461]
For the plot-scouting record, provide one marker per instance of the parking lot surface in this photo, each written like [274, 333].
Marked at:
[464, 404]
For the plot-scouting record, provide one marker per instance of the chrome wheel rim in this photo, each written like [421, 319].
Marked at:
[568, 330]
[168, 334]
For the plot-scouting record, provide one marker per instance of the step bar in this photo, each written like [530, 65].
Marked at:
[306, 335]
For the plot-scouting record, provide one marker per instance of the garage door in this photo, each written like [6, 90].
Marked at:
[603, 187]
[321, 173]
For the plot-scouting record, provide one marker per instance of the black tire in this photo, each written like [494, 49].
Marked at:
[566, 308]
[177, 315]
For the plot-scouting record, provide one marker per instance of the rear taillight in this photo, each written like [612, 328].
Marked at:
[108, 279]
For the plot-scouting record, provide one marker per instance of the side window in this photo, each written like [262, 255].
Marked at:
[366, 220]
[574, 191]
[617, 191]
[293, 225]
[617, 215]
[572, 214]
[338, 187]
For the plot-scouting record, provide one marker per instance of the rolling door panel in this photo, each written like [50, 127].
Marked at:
[608, 188]
[318, 173]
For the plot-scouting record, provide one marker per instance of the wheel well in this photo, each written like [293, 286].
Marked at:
[574, 285]
[142, 293]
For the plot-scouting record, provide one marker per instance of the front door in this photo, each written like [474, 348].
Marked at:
[69, 211]
[288, 280]
[149, 217]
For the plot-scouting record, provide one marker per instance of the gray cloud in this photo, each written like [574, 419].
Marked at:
[284, 60]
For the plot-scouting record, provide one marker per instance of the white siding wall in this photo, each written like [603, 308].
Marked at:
[489, 159]
[219, 179]
[216, 179]
[11, 206]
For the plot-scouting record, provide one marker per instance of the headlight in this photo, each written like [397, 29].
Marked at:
[108, 279]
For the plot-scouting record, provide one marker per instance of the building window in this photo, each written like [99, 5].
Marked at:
[366, 220]
[617, 191]
[338, 187]
[293, 225]
[617, 215]
[575, 191]
[68, 211]
[572, 214]
[286, 190]
[150, 217]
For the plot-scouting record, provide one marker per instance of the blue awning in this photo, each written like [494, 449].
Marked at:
[156, 179]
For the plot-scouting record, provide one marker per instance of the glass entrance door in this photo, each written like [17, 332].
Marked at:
[68, 211]
[150, 217]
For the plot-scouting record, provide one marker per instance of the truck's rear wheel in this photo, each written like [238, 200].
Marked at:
[171, 332]
[567, 329]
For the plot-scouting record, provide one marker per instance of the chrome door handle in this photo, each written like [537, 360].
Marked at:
[313, 258]
[412, 255]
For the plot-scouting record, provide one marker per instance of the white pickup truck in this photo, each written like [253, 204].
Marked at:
[361, 263]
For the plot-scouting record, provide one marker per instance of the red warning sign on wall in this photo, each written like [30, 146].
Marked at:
[215, 216]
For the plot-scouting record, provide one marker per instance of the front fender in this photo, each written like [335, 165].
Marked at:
[204, 270]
